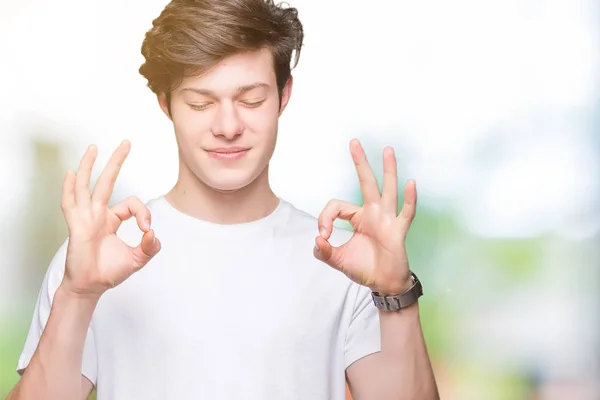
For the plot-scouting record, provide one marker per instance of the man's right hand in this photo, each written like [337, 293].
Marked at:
[97, 259]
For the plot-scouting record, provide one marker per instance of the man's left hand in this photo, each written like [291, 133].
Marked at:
[375, 256]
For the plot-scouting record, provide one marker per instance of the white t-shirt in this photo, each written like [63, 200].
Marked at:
[223, 312]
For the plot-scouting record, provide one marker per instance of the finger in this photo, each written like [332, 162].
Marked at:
[325, 252]
[82, 181]
[368, 183]
[333, 210]
[409, 208]
[68, 191]
[106, 181]
[332, 256]
[148, 248]
[133, 207]
[389, 196]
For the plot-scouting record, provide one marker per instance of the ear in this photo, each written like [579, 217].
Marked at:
[164, 104]
[286, 93]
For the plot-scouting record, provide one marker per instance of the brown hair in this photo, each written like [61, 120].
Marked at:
[191, 36]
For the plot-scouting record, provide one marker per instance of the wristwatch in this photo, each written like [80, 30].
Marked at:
[399, 301]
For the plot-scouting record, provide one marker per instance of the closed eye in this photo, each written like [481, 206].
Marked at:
[252, 104]
[199, 107]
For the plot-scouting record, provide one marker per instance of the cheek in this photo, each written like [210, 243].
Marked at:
[262, 123]
[189, 125]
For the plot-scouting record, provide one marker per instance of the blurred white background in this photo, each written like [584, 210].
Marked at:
[493, 107]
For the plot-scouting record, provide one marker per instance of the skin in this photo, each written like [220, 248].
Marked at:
[234, 104]
[210, 189]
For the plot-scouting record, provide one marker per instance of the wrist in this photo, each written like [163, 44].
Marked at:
[398, 298]
[74, 311]
[66, 293]
[394, 288]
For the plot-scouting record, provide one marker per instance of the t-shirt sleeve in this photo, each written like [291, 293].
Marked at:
[363, 336]
[52, 280]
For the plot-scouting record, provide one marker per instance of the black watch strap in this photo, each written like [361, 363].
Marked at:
[399, 301]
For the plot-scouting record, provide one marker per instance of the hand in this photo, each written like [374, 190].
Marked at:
[97, 259]
[375, 256]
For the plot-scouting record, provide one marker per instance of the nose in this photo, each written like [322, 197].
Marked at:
[227, 122]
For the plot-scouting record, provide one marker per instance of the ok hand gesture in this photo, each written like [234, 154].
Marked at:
[375, 256]
[97, 259]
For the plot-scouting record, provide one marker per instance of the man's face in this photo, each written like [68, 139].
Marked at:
[226, 120]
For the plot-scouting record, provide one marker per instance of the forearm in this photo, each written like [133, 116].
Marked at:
[54, 371]
[407, 371]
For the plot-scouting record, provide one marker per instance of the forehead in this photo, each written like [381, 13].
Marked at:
[234, 72]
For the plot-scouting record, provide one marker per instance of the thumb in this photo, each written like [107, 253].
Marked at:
[147, 249]
[325, 252]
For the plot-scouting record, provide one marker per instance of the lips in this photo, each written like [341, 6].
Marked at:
[228, 150]
[228, 153]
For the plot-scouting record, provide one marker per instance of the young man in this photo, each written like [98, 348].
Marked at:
[235, 300]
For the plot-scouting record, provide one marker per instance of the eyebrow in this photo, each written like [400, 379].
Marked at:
[239, 90]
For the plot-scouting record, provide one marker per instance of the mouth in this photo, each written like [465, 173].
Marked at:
[228, 153]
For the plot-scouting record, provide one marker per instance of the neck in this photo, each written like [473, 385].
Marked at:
[251, 203]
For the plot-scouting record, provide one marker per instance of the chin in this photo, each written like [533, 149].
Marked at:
[228, 182]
